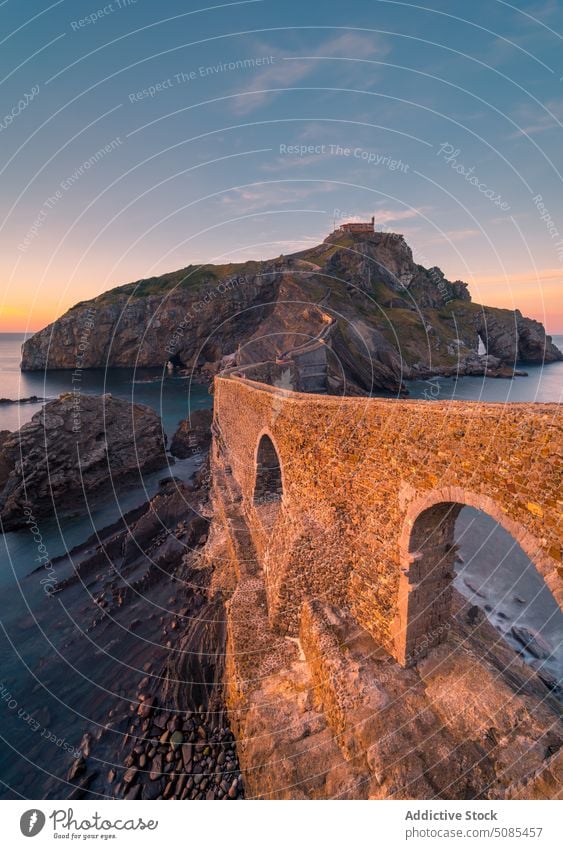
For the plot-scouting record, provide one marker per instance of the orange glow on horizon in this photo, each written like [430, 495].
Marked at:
[537, 294]
[16, 317]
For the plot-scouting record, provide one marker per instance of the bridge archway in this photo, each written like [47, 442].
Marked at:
[428, 552]
[268, 483]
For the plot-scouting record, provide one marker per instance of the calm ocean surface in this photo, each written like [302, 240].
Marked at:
[543, 383]
[494, 573]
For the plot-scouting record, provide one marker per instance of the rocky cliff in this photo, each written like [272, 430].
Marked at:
[74, 450]
[392, 319]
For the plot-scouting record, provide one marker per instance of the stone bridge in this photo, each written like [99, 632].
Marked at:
[353, 501]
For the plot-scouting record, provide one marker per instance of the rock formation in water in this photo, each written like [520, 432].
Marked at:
[193, 436]
[74, 450]
[383, 317]
[33, 399]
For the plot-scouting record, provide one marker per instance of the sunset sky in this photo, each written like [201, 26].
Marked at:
[157, 135]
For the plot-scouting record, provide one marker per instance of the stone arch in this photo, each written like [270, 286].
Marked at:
[268, 490]
[427, 557]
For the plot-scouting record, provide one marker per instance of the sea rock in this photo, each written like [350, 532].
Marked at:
[145, 708]
[511, 337]
[176, 739]
[156, 769]
[77, 768]
[534, 346]
[532, 641]
[130, 775]
[193, 435]
[32, 399]
[6, 463]
[187, 752]
[134, 792]
[74, 450]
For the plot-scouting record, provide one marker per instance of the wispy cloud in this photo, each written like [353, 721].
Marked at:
[534, 120]
[293, 67]
[387, 216]
[274, 248]
[271, 196]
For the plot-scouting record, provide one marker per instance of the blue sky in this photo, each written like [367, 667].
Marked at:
[242, 130]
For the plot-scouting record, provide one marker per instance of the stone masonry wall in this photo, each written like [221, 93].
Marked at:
[358, 473]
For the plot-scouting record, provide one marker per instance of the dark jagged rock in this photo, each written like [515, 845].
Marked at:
[193, 435]
[367, 358]
[74, 450]
[531, 640]
[512, 338]
[533, 344]
[33, 399]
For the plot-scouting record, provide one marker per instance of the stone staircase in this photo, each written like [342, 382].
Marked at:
[381, 716]
[257, 652]
[228, 498]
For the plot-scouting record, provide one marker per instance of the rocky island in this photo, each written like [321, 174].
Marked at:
[384, 319]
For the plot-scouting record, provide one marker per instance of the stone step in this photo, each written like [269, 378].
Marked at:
[227, 492]
[380, 714]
